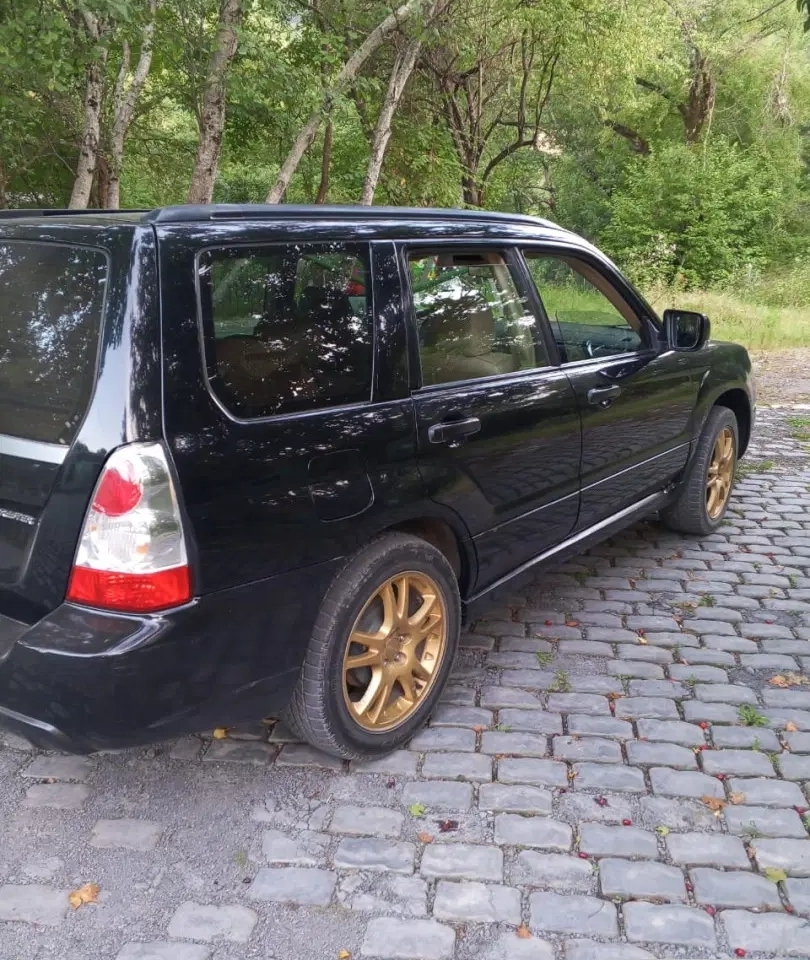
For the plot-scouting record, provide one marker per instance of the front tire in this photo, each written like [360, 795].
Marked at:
[381, 650]
[705, 492]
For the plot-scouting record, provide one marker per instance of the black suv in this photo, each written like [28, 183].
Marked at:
[260, 459]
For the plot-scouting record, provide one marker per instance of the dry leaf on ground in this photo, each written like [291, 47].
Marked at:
[220, 733]
[343, 955]
[425, 837]
[524, 932]
[791, 727]
[85, 894]
[788, 679]
[736, 798]
[714, 803]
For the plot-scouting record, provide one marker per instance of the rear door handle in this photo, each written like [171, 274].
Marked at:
[604, 396]
[453, 432]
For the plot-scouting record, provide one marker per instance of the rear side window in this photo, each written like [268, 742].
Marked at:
[287, 327]
[51, 304]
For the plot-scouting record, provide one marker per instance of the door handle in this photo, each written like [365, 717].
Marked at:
[604, 396]
[453, 432]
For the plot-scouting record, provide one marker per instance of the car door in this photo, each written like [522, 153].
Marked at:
[636, 398]
[497, 420]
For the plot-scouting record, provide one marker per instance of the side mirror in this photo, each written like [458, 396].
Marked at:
[686, 330]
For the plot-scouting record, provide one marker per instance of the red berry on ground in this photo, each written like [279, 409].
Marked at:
[788, 908]
[801, 810]
[720, 776]
[704, 724]
[583, 855]
[689, 887]
[739, 952]
[627, 823]
[549, 623]
[710, 910]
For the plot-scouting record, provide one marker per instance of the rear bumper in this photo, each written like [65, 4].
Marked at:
[82, 680]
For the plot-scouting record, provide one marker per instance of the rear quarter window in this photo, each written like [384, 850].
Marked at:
[51, 306]
[287, 328]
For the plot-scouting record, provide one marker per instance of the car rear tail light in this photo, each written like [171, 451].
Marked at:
[132, 552]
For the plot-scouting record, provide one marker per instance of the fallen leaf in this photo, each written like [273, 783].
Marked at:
[662, 831]
[343, 955]
[416, 809]
[524, 932]
[425, 837]
[642, 640]
[447, 826]
[736, 798]
[85, 894]
[791, 727]
[775, 874]
[572, 623]
[714, 803]
[220, 733]
[788, 679]
[479, 728]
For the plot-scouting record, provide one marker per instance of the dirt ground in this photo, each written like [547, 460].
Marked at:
[783, 376]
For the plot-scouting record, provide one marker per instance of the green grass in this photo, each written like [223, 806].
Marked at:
[747, 468]
[765, 314]
[750, 716]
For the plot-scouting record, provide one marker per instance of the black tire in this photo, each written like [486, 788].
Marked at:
[689, 513]
[317, 711]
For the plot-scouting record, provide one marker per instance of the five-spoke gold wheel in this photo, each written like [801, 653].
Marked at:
[394, 652]
[721, 473]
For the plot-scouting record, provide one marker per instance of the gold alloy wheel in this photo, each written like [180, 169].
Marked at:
[721, 473]
[394, 652]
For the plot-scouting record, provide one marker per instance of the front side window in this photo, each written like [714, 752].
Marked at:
[288, 327]
[471, 319]
[588, 316]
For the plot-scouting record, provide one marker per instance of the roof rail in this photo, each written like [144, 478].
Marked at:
[20, 213]
[285, 211]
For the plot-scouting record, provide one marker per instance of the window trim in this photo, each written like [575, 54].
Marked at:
[202, 337]
[650, 328]
[509, 250]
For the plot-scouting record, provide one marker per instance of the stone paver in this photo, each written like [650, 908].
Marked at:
[566, 780]
[212, 922]
[407, 939]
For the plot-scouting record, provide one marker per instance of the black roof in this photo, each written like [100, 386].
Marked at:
[256, 211]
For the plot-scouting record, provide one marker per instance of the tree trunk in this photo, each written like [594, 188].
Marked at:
[700, 101]
[124, 106]
[349, 71]
[212, 117]
[472, 191]
[88, 152]
[326, 163]
[400, 74]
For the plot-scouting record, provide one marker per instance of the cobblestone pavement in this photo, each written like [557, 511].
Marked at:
[611, 776]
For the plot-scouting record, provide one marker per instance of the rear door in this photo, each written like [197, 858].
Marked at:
[498, 426]
[636, 399]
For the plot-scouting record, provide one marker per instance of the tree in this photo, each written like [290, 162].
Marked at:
[344, 78]
[97, 28]
[212, 113]
[128, 89]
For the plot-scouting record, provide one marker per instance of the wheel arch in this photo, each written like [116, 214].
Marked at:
[441, 534]
[737, 401]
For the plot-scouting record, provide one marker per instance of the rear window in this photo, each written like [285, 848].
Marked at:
[287, 328]
[51, 302]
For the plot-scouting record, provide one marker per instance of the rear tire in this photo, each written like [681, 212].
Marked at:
[364, 642]
[706, 490]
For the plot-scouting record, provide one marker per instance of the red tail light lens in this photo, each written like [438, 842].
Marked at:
[132, 552]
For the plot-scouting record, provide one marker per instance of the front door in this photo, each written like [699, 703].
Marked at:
[497, 421]
[636, 399]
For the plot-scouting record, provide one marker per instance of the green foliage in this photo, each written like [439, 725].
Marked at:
[575, 110]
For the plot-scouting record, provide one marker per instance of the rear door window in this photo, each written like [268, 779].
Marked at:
[287, 328]
[51, 305]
